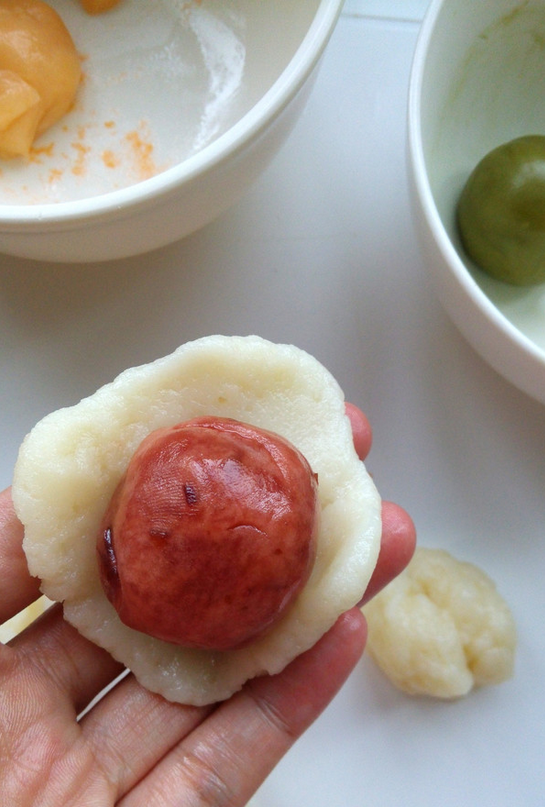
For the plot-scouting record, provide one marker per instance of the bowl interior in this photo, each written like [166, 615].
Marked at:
[482, 85]
[162, 80]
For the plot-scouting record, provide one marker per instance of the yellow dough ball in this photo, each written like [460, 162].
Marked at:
[98, 6]
[40, 72]
[441, 628]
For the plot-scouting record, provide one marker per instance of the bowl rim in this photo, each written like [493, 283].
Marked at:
[417, 162]
[27, 217]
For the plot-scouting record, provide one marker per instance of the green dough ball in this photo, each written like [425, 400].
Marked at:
[501, 212]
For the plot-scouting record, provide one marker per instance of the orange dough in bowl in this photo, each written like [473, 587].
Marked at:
[40, 72]
[98, 6]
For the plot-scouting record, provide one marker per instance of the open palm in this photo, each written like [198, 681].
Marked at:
[132, 747]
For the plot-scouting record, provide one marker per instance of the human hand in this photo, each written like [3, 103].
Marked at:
[133, 748]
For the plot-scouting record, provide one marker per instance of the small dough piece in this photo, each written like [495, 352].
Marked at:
[40, 72]
[441, 628]
[70, 464]
[98, 6]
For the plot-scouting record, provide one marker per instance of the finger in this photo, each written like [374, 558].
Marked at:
[132, 713]
[217, 763]
[361, 429]
[75, 667]
[131, 729]
[396, 548]
[19, 589]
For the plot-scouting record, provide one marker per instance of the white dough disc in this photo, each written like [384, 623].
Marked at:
[71, 462]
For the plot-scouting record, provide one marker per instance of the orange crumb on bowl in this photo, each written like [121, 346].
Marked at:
[82, 150]
[54, 175]
[109, 124]
[142, 151]
[109, 159]
[79, 167]
[37, 152]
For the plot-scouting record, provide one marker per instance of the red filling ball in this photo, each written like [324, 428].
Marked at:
[210, 535]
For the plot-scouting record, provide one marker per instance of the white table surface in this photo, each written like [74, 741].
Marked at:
[321, 252]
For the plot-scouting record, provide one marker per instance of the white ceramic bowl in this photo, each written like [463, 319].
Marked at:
[183, 105]
[477, 81]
